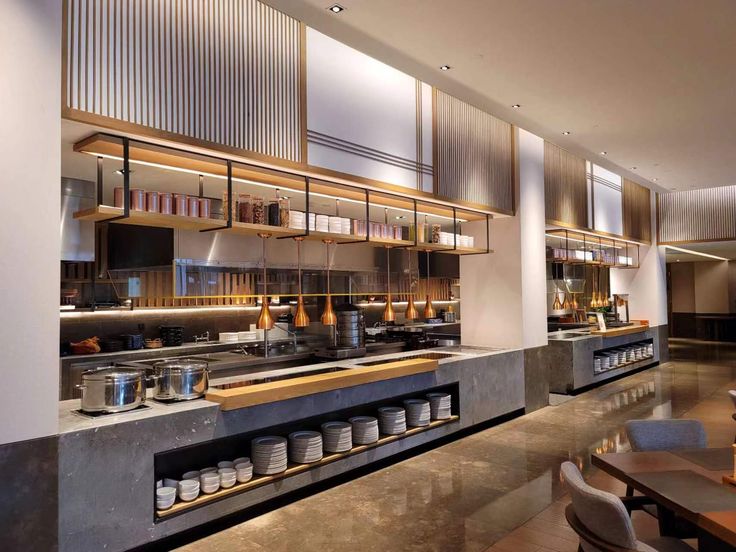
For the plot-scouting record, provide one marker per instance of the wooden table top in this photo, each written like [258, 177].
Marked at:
[687, 482]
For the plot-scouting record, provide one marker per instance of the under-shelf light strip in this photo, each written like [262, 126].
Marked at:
[262, 184]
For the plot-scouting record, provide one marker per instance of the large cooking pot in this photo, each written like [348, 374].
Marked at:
[180, 379]
[112, 389]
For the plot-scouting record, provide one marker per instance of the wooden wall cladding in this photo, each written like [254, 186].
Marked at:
[637, 211]
[565, 188]
[697, 215]
[222, 73]
[473, 155]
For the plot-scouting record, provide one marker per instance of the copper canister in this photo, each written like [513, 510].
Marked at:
[152, 202]
[205, 207]
[118, 200]
[193, 206]
[181, 204]
[164, 203]
[137, 199]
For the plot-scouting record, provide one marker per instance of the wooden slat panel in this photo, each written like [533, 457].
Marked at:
[565, 187]
[636, 211]
[223, 72]
[473, 155]
[697, 215]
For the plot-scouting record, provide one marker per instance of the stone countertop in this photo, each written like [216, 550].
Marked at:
[71, 421]
[580, 335]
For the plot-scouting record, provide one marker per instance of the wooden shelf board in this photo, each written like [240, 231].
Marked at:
[144, 218]
[390, 242]
[337, 238]
[249, 229]
[626, 330]
[293, 469]
[97, 214]
[466, 250]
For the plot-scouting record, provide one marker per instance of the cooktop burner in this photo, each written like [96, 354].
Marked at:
[80, 412]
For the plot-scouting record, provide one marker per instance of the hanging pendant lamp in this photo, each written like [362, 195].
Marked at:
[411, 310]
[301, 319]
[328, 317]
[556, 305]
[265, 320]
[388, 312]
[429, 311]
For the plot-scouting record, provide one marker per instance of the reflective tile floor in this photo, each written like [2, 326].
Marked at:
[498, 489]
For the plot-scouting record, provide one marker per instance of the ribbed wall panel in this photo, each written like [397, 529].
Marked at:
[697, 215]
[474, 155]
[637, 211]
[565, 187]
[223, 72]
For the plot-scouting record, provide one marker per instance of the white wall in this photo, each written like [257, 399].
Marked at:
[711, 286]
[508, 287]
[30, 65]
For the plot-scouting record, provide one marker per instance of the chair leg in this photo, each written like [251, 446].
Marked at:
[630, 489]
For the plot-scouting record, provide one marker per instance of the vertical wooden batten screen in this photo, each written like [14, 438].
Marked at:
[697, 215]
[473, 155]
[565, 188]
[636, 208]
[225, 74]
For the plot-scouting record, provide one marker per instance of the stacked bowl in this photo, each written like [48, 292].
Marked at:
[165, 497]
[417, 412]
[227, 477]
[209, 482]
[365, 429]
[392, 420]
[439, 406]
[305, 447]
[269, 455]
[243, 469]
[337, 436]
[188, 489]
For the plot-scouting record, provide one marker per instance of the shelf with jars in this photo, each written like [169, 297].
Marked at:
[575, 247]
[135, 182]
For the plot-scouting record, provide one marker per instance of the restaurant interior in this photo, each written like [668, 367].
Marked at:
[305, 275]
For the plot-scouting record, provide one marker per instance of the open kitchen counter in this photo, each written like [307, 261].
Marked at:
[137, 446]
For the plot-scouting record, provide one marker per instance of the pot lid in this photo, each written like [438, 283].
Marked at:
[112, 374]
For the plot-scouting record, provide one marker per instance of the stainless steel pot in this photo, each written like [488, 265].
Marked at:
[112, 389]
[180, 379]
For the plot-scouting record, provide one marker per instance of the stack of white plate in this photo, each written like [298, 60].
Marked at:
[228, 337]
[312, 221]
[439, 405]
[417, 412]
[365, 429]
[305, 446]
[346, 224]
[335, 225]
[297, 219]
[596, 365]
[392, 420]
[247, 336]
[322, 223]
[268, 454]
[337, 436]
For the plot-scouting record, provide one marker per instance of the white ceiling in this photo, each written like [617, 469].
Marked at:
[651, 82]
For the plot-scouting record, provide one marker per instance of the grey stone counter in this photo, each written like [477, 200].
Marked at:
[106, 468]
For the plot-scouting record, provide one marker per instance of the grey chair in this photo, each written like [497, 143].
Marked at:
[665, 435]
[602, 522]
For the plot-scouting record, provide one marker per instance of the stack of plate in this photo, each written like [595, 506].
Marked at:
[392, 420]
[439, 405]
[297, 219]
[337, 436]
[228, 337]
[417, 412]
[247, 336]
[268, 454]
[322, 223]
[365, 429]
[334, 224]
[305, 446]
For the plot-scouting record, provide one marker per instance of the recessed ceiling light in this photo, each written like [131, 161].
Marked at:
[516, 106]
[632, 169]
[121, 172]
[336, 8]
[567, 133]
[445, 67]
[655, 179]
[400, 217]
[604, 153]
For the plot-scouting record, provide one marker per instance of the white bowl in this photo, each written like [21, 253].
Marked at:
[241, 460]
[159, 483]
[189, 486]
[210, 469]
[165, 504]
[225, 464]
[209, 489]
[194, 474]
[188, 497]
[165, 493]
[170, 483]
[208, 480]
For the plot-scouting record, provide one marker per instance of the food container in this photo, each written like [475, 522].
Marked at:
[152, 202]
[284, 210]
[180, 379]
[273, 213]
[181, 205]
[245, 208]
[205, 207]
[112, 389]
[165, 203]
[137, 199]
[259, 210]
[193, 203]
[233, 208]
[118, 197]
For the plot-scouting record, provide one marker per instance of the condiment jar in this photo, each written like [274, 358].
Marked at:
[245, 208]
[165, 203]
[181, 205]
[273, 213]
[259, 210]
[137, 199]
[205, 207]
[152, 202]
[284, 208]
[193, 206]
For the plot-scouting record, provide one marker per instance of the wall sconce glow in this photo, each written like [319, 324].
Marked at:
[336, 8]
[697, 253]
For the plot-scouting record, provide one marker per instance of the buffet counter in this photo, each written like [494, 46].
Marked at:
[109, 465]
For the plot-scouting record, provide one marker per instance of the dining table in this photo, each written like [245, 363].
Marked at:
[694, 484]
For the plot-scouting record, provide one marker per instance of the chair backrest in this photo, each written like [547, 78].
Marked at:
[648, 435]
[601, 514]
[589, 541]
[732, 394]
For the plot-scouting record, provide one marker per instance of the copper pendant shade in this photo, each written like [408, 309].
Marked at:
[429, 311]
[265, 320]
[328, 318]
[389, 315]
[301, 319]
[411, 310]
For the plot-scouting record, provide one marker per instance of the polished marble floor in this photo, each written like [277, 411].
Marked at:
[498, 489]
